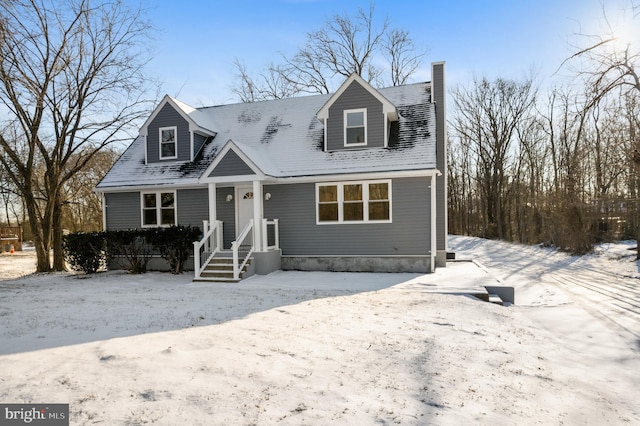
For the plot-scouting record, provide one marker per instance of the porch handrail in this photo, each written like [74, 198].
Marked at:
[207, 247]
[235, 247]
[265, 235]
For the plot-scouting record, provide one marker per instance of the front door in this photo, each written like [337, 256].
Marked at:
[244, 210]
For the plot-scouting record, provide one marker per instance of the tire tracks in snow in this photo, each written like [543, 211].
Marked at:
[608, 296]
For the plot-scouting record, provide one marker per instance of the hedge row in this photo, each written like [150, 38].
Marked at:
[90, 251]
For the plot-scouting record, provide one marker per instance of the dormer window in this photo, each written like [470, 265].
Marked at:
[168, 143]
[355, 127]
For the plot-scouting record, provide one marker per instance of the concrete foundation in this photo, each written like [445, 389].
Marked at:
[267, 262]
[418, 264]
[441, 258]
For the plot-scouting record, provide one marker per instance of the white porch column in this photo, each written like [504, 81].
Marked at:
[213, 215]
[257, 215]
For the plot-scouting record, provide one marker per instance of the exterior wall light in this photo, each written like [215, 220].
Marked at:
[229, 198]
[267, 196]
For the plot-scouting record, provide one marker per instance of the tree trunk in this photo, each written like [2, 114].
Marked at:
[40, 241]
[58, 254]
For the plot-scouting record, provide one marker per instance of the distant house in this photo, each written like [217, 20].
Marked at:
[352, 181]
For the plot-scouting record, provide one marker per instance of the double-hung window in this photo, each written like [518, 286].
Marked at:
[159, 208]
[168, 143]
[353, 202]
[355, 127]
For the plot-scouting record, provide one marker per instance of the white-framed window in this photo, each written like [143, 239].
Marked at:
[353, 202]
[168, 143]
[355, 127]
[158, 208]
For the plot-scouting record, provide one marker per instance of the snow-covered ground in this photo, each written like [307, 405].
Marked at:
[332, 348]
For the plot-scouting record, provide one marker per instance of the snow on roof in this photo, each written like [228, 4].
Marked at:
[199, 118]
[284, 138]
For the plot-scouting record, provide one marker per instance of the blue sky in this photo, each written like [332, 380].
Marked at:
[197, 41]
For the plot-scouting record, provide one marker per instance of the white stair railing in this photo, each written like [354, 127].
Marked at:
[235, 247]
[266, 223]
[207, 247]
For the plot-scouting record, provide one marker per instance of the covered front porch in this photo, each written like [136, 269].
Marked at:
[246, 243]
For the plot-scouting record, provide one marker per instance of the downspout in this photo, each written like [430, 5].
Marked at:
[104, 211]
[434, 246]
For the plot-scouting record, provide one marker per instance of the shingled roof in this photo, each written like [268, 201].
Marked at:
[284, 138]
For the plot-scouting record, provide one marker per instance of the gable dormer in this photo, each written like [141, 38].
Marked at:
[174, 132]
[356, 116]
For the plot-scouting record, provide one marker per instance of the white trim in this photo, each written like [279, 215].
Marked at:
[345, 127]
[191, 136]
[388, 108]
[386, 132]
[145, 150]
[158, 208]
[365, 201]
[175, 142]
[231, 180]
[325, 120]
[357, 176]
[104, 211]
[257, 215]
[434, 228]
[213, 208]
[175, 104]
[149, 188]
[237, 192]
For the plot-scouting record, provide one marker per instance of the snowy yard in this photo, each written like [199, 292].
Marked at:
[332, 348]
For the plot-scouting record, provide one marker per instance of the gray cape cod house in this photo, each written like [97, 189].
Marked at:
[351, 181]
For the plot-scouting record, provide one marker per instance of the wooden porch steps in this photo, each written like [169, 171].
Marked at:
[220, 270]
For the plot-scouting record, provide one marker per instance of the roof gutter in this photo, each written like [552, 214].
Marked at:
[358, 176]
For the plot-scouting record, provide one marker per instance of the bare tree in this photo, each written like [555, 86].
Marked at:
[611, 65]
[267, 85]
[244, 86]
[83, 207]
[7, 197]
[487, 116]
[72, 82]
[403, 57]
[343, 46]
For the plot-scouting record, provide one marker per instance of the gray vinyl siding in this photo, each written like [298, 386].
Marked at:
[198, 141]
[231, 165]
[408, 234]
[193, 207]
[227, 214]
[168, 117]
[438, 97]
[354, 97]
[123, 210]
